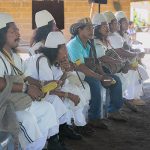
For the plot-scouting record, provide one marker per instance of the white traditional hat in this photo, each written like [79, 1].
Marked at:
[98, 19]
[2, 25]
[54, 39]
[120, 15]
[4, 19]
[109, 16]
[42, 18]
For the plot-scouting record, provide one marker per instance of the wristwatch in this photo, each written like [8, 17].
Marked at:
[25, 88]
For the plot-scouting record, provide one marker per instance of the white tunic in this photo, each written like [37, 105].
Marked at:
[115, 40]
[45, 74]
[48, 73]
[35, 47]
[34, 123]
[100, 51]
[132, 88]
[73, 77]
[100, 48]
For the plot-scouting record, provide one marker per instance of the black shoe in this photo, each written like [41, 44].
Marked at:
[54, 144]
[63, 144]
[66, 131]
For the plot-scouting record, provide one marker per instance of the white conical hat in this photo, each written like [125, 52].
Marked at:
[109, 16]
[54, 39]
[4, 19]
[42, 18]
[2, 25]
[98, 19]
[120, 15]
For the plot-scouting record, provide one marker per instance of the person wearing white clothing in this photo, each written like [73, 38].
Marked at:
[45, 23]
[48, 70]
[108, 63]
[38, 121]
[119, 44]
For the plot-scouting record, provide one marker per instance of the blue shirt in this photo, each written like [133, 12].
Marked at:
[77, 51]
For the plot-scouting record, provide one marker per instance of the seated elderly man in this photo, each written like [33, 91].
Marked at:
[32, 122]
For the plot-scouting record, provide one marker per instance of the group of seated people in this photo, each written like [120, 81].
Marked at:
[56, 93]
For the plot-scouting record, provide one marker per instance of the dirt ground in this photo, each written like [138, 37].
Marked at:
[132, 135]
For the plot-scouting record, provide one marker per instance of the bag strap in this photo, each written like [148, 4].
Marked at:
[10, 60]
[38, 64]
[63, 77]
[112, 49]
[93, 51]
[4, 63]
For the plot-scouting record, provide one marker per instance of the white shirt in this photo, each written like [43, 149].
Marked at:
[116, 41]
[100, 48]
[35, 47]
[46, 73]
[5, 67]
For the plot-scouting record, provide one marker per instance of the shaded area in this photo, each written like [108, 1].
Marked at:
[133, 135]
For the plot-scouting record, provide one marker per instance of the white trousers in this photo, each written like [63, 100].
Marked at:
[134, 88]
[75, 112]
[124, 80]
[85, 92]
[37, 123]
[59, 106]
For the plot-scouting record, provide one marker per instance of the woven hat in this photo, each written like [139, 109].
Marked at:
[80, 23]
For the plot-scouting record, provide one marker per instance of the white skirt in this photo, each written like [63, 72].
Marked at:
[35, 122]
[74, 90]
[58, 104]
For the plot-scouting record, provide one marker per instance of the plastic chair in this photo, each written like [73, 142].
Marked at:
[6, 141]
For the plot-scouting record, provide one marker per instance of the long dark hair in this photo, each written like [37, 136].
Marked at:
[3, 32]
[42, 32]
[121, 31]
[51, 54]
[97, 34]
